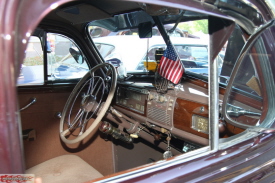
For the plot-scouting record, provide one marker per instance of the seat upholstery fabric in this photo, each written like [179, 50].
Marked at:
[65, 168]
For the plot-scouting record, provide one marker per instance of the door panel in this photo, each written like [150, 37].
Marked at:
[41, 116]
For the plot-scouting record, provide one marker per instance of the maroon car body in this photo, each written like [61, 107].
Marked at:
[250, 160]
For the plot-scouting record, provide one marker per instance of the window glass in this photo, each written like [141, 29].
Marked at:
[65, 59]
[118, 41]
[105, 50]
[245, 102]
[32, 70]
[230, 53]
[190, 40]
[192, 56]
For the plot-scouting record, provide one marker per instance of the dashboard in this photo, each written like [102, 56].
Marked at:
[177, 111]
[182, 112]
[132, 98]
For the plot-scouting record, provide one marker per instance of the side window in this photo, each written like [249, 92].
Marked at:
[245, 100]
[32, 71]
[247, 79]
[65, 59]
[229, 54]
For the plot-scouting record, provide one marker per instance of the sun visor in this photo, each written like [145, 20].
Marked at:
[82, 13]
[219, 31]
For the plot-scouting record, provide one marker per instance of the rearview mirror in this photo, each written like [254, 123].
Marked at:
[77, 56]
[145, 30]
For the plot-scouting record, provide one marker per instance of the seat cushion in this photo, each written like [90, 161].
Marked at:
[65, 168]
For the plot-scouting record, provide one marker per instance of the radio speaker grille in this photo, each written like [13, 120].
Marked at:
[159, 115]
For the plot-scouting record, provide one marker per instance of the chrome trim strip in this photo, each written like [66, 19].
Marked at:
[270, 85]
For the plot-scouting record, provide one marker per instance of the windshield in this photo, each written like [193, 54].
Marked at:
[192, 56]
[117, 40]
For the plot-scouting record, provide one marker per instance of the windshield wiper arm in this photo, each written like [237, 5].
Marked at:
[238, 111]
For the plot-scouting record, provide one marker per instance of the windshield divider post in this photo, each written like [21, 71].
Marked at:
[162, 30]
[213, 91]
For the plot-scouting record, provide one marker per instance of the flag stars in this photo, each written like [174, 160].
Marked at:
[171, 53]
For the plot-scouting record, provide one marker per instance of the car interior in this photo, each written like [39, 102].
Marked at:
[83, 118]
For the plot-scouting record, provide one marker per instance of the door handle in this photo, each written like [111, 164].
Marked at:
[32, 101]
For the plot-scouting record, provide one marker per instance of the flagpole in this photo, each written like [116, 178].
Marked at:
[162, 30]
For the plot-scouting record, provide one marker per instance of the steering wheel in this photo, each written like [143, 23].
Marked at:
[87, 97]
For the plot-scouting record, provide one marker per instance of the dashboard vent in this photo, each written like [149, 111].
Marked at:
[159, 115]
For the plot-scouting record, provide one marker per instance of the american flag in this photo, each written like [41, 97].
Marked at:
[170, 66]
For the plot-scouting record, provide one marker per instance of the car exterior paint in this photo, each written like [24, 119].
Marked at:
[250, 160]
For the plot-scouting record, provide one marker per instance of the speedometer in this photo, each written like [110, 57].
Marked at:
[200, 123]
[131, 98]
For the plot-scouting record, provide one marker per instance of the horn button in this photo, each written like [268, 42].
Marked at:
[89, 103]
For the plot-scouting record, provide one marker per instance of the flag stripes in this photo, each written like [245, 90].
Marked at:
[170, 66]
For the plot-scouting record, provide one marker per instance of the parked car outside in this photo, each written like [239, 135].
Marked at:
[143, 126]
[132, 51]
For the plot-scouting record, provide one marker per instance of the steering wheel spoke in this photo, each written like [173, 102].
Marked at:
[88, 104]
[76, 119]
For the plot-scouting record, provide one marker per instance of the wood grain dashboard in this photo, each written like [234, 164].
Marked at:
[183, 113]
[175, 109]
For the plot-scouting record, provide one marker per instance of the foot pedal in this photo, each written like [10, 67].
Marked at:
[29, 134]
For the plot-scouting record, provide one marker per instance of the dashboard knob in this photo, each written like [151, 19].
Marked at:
[161, 98]
[221, 126]
[151, 96]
